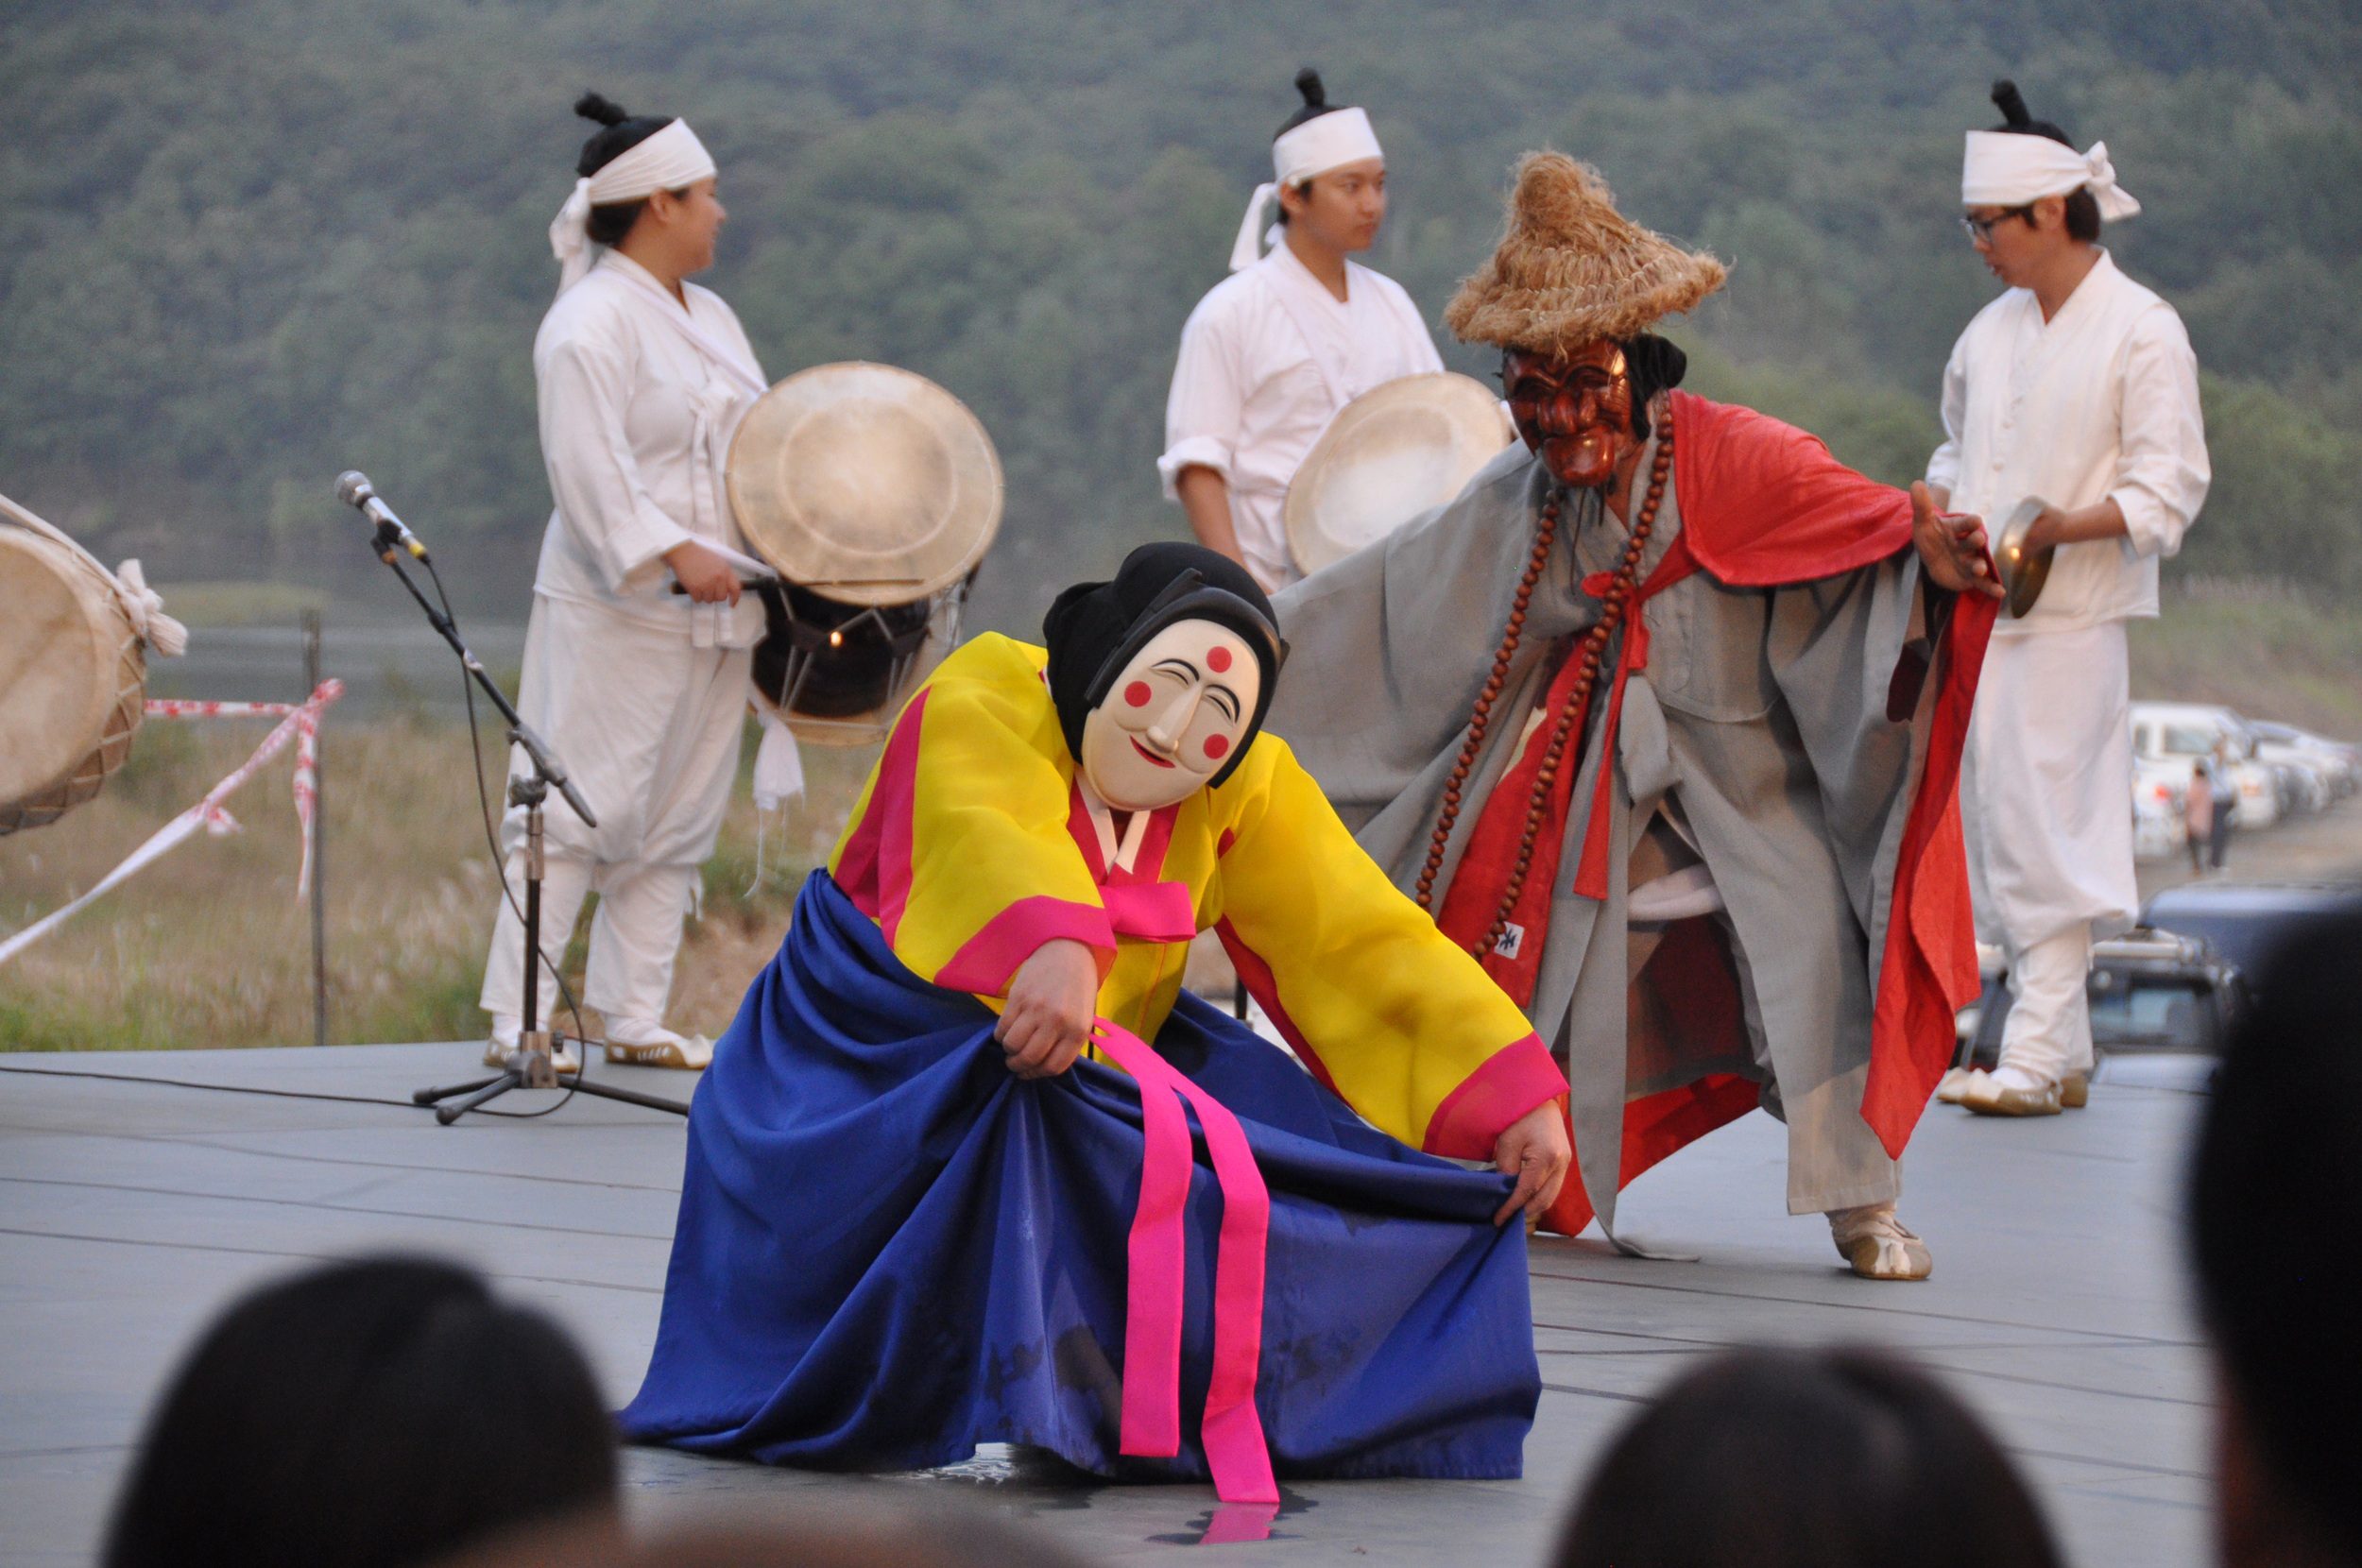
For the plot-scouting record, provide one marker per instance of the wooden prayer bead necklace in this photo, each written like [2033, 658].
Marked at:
[1590, 652]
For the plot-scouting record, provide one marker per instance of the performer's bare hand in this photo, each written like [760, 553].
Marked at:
[1952, 549]
[1054, 1001]
[705, 576]
[1535, 1150]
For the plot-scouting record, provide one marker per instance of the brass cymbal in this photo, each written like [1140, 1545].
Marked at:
[2023, 571]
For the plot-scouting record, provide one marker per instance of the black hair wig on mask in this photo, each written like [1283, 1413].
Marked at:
[1653, 364]
[1094, 629]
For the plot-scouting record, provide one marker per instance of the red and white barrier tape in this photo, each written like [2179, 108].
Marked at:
[297, 721]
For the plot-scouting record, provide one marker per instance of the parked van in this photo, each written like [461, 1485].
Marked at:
[2185, 732]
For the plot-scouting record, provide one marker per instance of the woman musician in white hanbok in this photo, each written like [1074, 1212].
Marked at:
[642, 378]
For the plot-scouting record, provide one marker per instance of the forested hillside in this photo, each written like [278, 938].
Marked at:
[245, 243]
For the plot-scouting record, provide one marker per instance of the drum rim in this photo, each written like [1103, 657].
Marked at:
[963, 421]
[112, 646]
[1296, 507]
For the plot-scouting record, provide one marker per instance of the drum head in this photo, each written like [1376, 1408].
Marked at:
[60, 658]
[1391, 453]
[866, 484]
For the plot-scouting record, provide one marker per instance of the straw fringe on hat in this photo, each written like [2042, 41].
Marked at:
[1571, 269]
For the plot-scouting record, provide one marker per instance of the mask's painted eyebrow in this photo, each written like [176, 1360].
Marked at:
[1182, 666]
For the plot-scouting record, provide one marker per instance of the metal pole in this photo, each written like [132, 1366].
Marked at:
[320, 840]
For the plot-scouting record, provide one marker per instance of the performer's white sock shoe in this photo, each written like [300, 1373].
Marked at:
[1877, 1245]
[502, 1045]
[644, 1043]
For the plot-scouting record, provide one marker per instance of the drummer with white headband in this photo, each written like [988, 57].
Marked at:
[1273, 351]
[642, 378]
[2076, 389]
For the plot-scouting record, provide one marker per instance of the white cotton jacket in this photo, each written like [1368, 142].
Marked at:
[2099, 402]
[637, 412]
[1267, 360]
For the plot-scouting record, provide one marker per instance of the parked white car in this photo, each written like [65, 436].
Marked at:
[2185, 732]
[2328, 769]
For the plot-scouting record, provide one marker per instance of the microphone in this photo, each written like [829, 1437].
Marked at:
[354, 490]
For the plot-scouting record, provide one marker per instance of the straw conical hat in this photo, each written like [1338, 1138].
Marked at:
[1571, 269]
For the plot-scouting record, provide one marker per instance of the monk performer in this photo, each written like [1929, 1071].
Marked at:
[926, 1208]
[1662, 718]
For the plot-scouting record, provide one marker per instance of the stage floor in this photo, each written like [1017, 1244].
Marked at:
[129, 1212]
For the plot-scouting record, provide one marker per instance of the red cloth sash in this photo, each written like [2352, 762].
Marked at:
[1482, 875]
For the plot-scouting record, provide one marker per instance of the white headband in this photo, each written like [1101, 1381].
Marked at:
[1320, 143]
[2009, 168]
[665, 162]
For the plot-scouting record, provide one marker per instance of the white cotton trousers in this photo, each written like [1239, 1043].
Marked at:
[2046, 807]
[2047, 1035]
[648, 726]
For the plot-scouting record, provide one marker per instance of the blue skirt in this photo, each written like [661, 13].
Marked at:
[890, 1250]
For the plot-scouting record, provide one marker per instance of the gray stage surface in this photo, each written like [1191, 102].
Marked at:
[130, 1211]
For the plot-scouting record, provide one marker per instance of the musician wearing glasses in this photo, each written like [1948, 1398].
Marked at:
[642, 377]
[2075, 391]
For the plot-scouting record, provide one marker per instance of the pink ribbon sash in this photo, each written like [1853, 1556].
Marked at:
[1232, 1431]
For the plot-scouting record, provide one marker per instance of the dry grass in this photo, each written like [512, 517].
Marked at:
[211, 946]
[2270, 655]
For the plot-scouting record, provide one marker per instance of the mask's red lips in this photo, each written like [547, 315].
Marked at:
[1150, 754]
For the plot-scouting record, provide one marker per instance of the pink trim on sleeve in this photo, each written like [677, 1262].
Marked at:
[897, 786]
[984, 964]
[1512, 1082]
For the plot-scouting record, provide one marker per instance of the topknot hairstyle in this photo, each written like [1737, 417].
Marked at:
[620, 132]
[2016, 119]
[2083, 208]
[1315, 102]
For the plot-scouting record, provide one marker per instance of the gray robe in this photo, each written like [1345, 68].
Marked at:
[1760, 725]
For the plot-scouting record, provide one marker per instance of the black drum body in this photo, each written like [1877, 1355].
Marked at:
[830, 661]
[839, 673]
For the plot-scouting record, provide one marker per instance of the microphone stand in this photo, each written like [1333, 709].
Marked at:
[533, 1067]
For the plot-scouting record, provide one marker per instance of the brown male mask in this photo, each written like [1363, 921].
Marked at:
[1574, 410]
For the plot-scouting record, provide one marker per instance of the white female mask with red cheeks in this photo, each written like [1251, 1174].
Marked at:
[1172, 719]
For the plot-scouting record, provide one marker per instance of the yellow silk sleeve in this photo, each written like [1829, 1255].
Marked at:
[1382, 1007]
[959, 846]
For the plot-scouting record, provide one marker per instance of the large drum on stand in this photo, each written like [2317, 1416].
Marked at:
[1394, 452]
[73, 672]
[875, 494]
